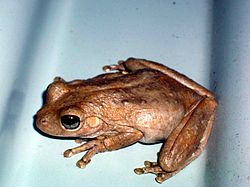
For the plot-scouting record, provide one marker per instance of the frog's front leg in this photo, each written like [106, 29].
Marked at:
[185, 143]
[103, 144]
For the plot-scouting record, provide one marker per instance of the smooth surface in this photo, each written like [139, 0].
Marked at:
[229, 149]
[209, 42]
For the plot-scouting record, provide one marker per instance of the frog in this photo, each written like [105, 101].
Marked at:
[135, 100]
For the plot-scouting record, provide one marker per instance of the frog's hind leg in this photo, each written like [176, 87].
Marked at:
[185, 142]
[133, 64]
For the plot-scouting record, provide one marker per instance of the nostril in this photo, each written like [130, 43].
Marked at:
[43, 121]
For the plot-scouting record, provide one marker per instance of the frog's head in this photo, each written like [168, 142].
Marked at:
[66, 113]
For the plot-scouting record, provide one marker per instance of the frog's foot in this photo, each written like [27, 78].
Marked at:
[116, 67]
[92, 147]
[154, 168]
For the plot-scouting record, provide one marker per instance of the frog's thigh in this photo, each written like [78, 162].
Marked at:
[133, 64]
[186, 144]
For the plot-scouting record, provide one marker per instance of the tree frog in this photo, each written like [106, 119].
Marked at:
[136, 100]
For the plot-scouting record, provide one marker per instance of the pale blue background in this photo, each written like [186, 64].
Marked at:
[206, 40]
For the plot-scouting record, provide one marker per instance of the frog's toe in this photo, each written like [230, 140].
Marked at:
[150, 167]
[139, 171]
[115, 67]
[79, 140]
[150, 164]
[58, 79]
[68, 153]
[161, 177]
[81, 164]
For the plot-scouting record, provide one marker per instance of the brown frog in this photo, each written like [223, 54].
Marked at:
[143, 101]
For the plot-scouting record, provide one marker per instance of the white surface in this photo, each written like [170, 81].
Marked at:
[74, 39]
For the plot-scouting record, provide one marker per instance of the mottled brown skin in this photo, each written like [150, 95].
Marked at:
[142, 102]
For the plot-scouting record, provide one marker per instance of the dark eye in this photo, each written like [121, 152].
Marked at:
[70, 121]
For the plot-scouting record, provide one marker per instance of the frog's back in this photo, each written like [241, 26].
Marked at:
[167, 103]
[147, 100]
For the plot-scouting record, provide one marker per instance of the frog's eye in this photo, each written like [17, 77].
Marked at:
[70, 121]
